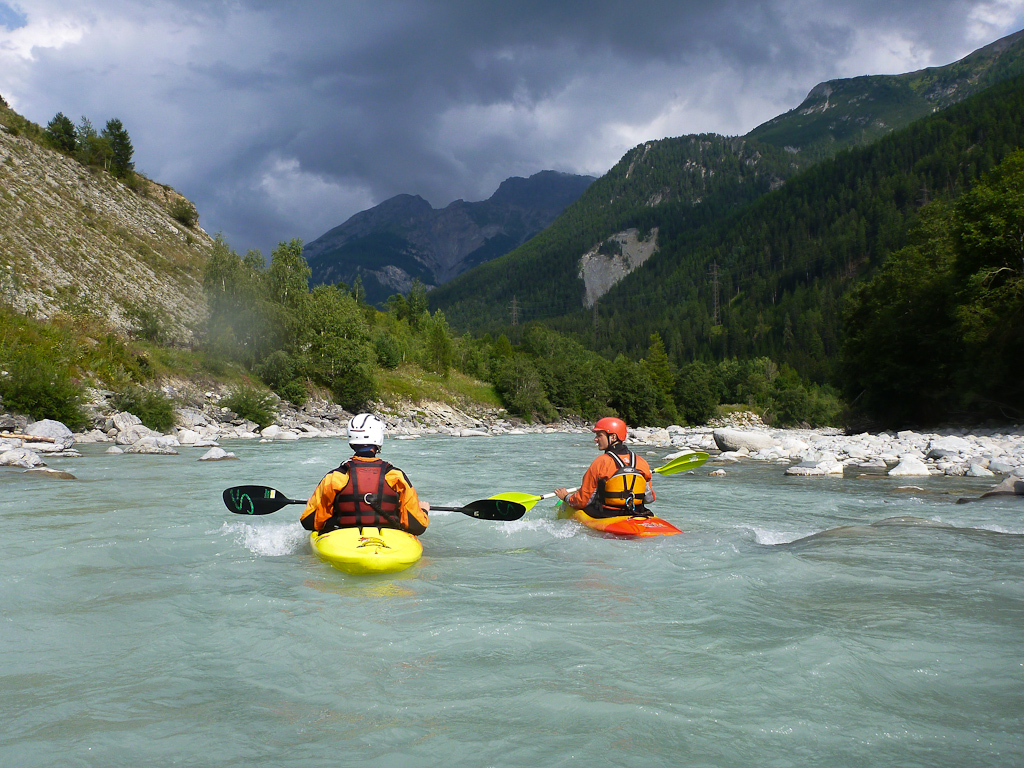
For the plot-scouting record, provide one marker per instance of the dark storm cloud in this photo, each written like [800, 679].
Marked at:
[281, 120]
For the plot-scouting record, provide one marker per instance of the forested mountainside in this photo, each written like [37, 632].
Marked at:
[664, 189]
[75, 240]
[781, 264]
[664, 185]
[839, 114]
[405, 239]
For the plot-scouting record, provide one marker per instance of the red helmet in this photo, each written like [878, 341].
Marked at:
[612, 426]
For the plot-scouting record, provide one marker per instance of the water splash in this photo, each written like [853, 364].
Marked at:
[272, 540]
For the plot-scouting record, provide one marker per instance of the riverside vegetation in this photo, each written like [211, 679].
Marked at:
[890, 274]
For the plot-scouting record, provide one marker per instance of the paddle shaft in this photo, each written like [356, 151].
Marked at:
[261, 500]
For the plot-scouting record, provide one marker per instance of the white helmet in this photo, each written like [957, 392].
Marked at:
[365, 429]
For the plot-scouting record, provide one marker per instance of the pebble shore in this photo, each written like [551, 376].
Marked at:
[990, 452]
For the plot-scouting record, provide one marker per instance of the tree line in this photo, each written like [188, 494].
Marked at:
[938, 331]
[110, 149]
[781, 268]
[265, 317]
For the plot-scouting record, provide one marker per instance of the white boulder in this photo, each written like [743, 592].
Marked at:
[217, 454]
[20, 457]
[910, 466]
[734, 439]
[61, 438]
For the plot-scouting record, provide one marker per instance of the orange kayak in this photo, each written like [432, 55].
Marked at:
[627, 526]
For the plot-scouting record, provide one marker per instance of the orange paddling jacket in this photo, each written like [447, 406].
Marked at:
[598, 498]
[365, 491]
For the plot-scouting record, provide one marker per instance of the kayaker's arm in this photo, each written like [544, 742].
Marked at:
[320, 503]
[588, 488]
[416, 519]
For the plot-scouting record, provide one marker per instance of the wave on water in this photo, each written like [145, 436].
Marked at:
[559, 529]
[313, 460]
[272, 540]
[881, 529]
[772, 538]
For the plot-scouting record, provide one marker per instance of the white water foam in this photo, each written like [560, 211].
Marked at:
[771, 538]
[560, 529]
[273, 540]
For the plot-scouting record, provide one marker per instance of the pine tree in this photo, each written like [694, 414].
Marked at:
[121, 149]
[60, 132]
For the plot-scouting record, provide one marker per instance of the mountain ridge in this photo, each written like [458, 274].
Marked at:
[845, 112]
[404, 238]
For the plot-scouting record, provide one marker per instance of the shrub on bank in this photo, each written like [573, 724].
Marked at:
[252, 404]
[155, 409]
[33, 383]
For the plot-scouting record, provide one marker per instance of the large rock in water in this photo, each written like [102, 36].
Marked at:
[56, 430]
[1011, 486]
[734, 439]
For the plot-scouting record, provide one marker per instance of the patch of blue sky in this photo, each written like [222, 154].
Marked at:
[11, 18]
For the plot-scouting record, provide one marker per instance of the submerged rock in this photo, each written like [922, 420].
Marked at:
[57, 474]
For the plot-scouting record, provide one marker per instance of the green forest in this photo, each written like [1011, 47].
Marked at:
[783, 265]
[883, 287]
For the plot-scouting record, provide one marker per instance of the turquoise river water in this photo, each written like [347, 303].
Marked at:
[144, 625]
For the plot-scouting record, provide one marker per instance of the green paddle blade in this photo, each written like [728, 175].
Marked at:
[527, 500]
[255, 500]
[683, 463]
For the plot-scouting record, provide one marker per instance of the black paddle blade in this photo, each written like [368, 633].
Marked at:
[255, 500]
[494, 509]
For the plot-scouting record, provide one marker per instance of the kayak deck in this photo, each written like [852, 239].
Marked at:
[367, 550]
[627, 526]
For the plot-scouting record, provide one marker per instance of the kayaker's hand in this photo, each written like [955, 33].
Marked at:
[561, 493]
[424, 505]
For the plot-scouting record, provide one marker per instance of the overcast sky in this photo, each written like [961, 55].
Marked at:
[282, 119]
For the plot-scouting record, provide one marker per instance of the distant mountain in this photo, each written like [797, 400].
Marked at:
[405, 238]
[857, 111]
[647, 209]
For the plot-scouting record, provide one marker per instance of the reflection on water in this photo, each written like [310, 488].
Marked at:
[798, 621]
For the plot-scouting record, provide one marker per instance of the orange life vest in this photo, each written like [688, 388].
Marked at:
[366, 499]
[623, 492]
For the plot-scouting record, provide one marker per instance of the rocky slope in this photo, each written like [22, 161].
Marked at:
[76, 241]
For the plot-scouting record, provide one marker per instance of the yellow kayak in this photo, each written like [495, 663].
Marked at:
[367, 550]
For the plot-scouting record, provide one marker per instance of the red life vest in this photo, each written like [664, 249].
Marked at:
[367, 499]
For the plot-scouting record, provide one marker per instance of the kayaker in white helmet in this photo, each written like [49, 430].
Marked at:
[365, 490]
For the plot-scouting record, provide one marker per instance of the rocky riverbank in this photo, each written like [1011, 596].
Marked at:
[995, 453]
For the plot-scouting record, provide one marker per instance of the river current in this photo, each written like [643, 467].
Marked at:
[145, 625]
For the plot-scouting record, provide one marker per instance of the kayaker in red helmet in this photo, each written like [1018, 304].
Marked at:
[618, 481]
